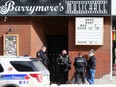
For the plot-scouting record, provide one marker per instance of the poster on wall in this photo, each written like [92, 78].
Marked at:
[89, 31]
[11, 44]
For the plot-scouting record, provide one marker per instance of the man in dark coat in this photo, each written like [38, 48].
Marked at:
[64, 65]
[42, 54]
[91, 67]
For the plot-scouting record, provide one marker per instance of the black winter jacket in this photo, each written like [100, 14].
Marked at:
[43, 56]
[80, 64]
[92, 62]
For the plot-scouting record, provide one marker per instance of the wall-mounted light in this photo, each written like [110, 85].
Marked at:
[9, 30]
[5, 19]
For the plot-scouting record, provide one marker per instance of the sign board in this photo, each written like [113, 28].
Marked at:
[89, 31]
[113, 6]
[55, 7]
[11, 45]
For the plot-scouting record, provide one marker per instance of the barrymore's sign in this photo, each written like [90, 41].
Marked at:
[54, 8]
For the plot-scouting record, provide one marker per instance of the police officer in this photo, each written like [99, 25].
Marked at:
[80, 64]
[42, 54]
[64, 65]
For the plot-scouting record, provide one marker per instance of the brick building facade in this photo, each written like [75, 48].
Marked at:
[34, 32]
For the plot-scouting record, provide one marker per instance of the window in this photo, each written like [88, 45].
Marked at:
[1, 68]
[23, 66]
[38, 64]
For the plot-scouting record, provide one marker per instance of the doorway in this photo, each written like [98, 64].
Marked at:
[56, 44]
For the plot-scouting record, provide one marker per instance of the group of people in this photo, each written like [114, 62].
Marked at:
[83, 68]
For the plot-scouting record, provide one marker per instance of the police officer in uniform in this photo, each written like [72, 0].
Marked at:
[42, 54]
[80, 64]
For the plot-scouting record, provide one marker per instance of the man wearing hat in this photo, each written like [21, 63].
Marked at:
[91, 67]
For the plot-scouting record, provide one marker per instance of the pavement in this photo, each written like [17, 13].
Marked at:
[105, 81]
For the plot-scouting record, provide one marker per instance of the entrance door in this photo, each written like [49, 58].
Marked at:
[55, 45]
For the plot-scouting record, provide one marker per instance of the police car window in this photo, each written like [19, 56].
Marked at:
[1, 68]
[23, 66]
[39, 65]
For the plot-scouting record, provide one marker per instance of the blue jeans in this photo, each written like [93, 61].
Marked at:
[91, 76]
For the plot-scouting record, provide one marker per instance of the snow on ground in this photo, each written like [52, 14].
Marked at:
[73, 85]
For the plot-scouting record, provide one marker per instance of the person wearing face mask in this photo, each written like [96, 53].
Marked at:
[64, 65]
[42, 54]
[91, 67]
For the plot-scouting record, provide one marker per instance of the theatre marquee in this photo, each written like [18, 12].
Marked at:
[89, 31]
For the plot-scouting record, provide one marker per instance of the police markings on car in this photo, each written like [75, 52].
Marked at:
[22, 72]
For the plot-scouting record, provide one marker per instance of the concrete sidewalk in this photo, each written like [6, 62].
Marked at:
[73, 85]
[105, 80]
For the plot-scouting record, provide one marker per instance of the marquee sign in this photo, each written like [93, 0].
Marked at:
[54, 7]
[113, 6]
[89, 31]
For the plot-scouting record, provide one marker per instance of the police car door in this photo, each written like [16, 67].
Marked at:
[3, 81]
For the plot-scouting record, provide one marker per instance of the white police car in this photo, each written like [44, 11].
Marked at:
[23, 72]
